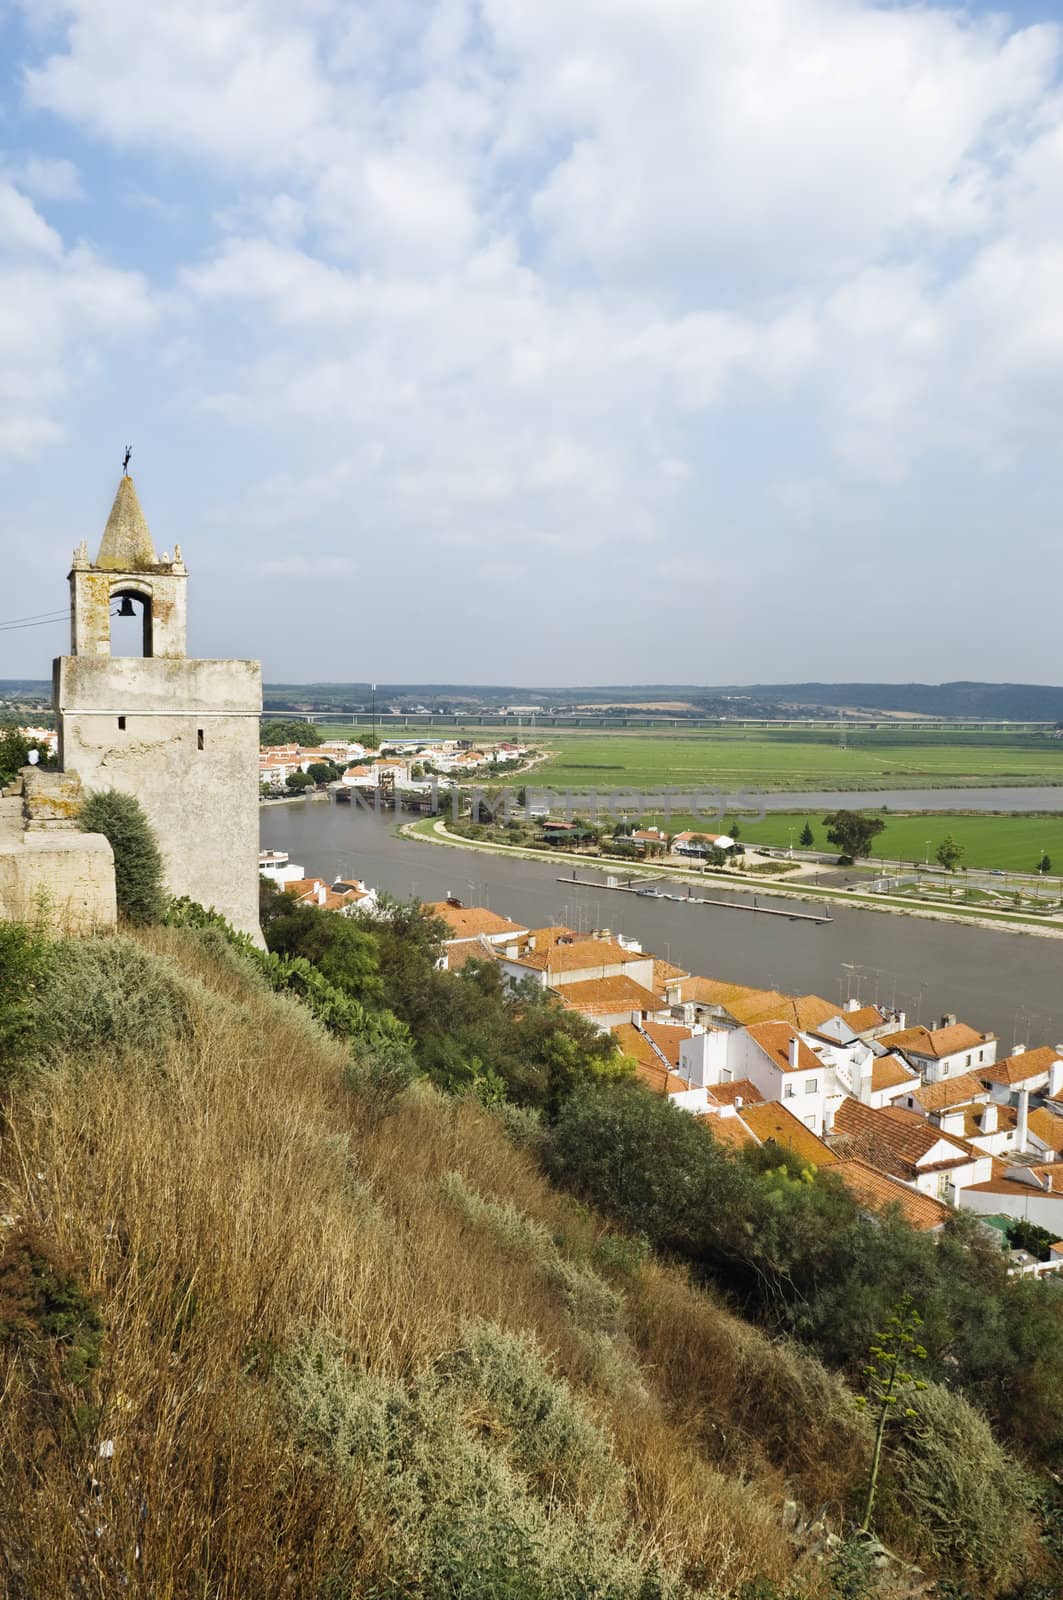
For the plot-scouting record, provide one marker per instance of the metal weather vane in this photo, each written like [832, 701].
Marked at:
[125, 460]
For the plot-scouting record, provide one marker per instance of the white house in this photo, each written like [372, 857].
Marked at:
[942, 1052]
[1034, 1194]
[1039, 1070]
[905, 1145]
[274, 865]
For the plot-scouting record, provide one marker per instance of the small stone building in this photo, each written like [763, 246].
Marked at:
[180, 734]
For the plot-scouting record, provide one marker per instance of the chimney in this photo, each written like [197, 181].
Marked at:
[852, 1004]
[867, 1068]
[948, 1020]
[738, 1102]
[795, 1045]
[989, 1119]
[1055, 1075]
[1018, 1049]
[1021, 1126]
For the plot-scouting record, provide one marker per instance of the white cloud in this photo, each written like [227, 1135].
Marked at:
[307, 567]
[48, 179]
[55, 305]
[506, 276]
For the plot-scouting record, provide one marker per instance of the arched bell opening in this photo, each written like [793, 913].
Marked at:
[131, 621]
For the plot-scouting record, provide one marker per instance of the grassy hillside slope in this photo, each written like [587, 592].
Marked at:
[356, 1346]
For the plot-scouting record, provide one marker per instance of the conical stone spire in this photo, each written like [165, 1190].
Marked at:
[126, 545]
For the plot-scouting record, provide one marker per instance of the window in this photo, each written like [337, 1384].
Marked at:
[967, 1061]
[121, 724]
[199, 738]
[811, 1085]
[810, 1122]
[787, 1091]
[944, 1069]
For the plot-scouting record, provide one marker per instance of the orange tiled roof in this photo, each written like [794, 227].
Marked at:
[744, 1089]
[657, 1078]
[1007, 1118]
[715, 992]
[934, 1043]
[633, 1043]
[905, 1134]
[874, 1191]
[586, 953]
[1017, 1069]
[1047, 1126]
[730, 1131]
[771, 1120]
[774, 1039]
[1011, 1181]
[889, 1071]
[950, 1092]
[864, 1020]
[600, 995]
[468, 922]
[805, 1011]
[665, 973]
[462, 951]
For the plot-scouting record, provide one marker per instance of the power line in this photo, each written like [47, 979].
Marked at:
[34, 616]
[45, 622]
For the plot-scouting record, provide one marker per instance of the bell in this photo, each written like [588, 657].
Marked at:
[126, 607]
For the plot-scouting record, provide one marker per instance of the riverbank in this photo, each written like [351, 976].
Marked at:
[433, 830]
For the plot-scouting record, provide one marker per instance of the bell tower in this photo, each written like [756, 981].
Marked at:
[181, 734]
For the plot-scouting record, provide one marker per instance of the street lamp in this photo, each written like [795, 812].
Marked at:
[929, 842]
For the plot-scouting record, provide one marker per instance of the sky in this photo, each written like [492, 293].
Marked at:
[633, 341]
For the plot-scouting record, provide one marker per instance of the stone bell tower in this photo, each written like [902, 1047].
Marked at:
[181, 735]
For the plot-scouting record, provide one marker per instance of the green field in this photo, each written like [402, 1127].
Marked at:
[1014, 843]
[729, 761]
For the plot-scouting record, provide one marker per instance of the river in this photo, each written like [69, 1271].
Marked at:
[1007, 982]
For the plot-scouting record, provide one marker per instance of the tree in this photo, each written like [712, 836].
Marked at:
[807, 838]
[14, 753]
[138, 878]
[950, 852]
[852, 832]
[298, 781]
[289, 730]
[1045, 863]
[321, 771]
[887, 1379]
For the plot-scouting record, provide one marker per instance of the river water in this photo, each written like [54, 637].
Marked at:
[1008, 982]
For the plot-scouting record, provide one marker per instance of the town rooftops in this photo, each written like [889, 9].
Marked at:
[875, 1191]
[603, 996]
[469, 922]
[774, 1038]
[666, 973]
[739, 1089]
[1017, 1069]
[949, 1092]
[772, 1121]
[1040, 1180]
[1045, 1124]
[887, 1072]
[585, 953]
[934, 1043]
[865, 1020]
[768, 1005]
[904, 1136]
[640, 1044]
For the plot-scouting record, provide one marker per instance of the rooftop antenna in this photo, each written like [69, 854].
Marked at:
[125, 460]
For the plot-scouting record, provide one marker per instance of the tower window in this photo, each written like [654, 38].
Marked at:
[199, 738]
[121, 724]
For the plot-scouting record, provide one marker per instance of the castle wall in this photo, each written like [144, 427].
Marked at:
[182, 736]
[50, 872]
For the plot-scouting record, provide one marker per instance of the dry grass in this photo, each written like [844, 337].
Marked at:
[229, 1198]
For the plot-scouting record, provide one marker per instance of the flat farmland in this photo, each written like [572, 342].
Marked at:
[1013, 843]
[781, 761]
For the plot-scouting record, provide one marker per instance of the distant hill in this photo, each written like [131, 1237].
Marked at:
[1015, 702]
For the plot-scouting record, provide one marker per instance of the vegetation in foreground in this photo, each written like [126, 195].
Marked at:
[278, 1313]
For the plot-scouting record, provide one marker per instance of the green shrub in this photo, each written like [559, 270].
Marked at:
[549, 1435]
[960, 1493]
[138, 878]
[44, 1307]
[23, 962]
[108, 993]
[450, 1515]
[380, 1076]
